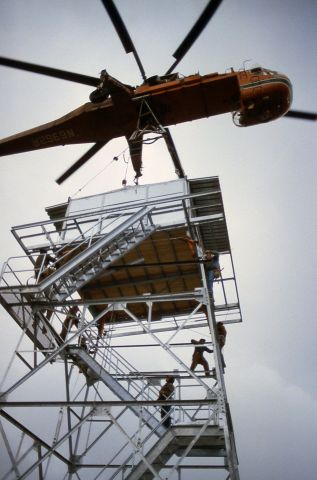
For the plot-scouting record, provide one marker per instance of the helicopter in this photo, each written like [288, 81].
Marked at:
[253, 96]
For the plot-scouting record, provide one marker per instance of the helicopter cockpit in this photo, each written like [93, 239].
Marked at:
[265, 95]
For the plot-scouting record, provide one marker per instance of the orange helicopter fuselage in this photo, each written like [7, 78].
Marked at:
[253, 96]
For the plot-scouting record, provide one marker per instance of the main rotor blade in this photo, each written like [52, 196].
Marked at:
[87, 156]
[50, 72]
[194, 33]
[122, 32]
[301, 115]
[173, 153]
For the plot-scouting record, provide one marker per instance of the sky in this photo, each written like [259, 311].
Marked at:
[267, 174]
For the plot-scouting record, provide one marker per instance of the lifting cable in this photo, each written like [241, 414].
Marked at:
[124, 181]
[115, 159]
[92, 178]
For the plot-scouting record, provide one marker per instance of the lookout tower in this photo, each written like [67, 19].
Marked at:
[109, 293]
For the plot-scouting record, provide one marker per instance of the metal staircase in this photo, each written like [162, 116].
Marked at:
[34, 323]
[109, 418]
[86, 263]
[95, 372]
[90, 261]
[176, 440]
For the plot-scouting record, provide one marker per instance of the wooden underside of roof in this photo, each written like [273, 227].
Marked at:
[167, 265]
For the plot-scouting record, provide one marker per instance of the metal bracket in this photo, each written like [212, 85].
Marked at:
[144, 125]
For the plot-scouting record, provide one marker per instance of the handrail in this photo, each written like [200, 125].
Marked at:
[122, 227]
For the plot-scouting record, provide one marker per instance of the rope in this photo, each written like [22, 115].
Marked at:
[92, 178]
[124, 181]
[115, 159]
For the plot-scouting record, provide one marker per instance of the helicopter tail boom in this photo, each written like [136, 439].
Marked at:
[87, 124]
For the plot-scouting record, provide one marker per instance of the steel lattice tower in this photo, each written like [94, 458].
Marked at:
[106, 295]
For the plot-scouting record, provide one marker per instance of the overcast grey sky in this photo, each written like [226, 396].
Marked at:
[267, 173]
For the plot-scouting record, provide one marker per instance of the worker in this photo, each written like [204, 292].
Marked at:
[101, 325]
[212, 269]
[83, 342]
[72, 318]
[165, 393]
[43, 265]
[198, 355]
[221, 334]
[102, 92]
[191, 244]
[101, 322]
[109, 86]
[66, 254]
